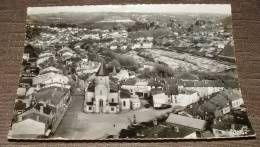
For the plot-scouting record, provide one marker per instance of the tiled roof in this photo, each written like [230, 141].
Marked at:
[33, 114]
[186, 121]
[54, 94]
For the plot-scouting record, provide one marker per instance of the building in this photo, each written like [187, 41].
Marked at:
[179, 122]
[185, 98]
[140, 88]
[190, 122]
[30, 128]
[222, 103]
[235, 98]
[49, 78]
[88, 67]
[50, 69]
[147, 45]
[102, 96]
[160, 100]
[204, 87]
[129, 103]
[122, 75]
[216, 106]
[49, 106]
[113, 47]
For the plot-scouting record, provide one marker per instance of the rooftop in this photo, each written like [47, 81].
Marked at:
[53, 94]
[203, 83]
[186, 121]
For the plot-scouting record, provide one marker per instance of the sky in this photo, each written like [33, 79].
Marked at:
[142, 8]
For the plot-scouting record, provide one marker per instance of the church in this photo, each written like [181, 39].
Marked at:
[102, 95]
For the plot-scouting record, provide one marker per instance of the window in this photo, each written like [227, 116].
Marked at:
[100, 92]
[112, 109]
[89, 108]
[124, 103]
[112, 100]
[92, 99]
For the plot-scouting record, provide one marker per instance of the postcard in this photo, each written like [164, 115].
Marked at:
[135, 71]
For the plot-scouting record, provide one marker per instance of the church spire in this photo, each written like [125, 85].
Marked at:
[102, 70]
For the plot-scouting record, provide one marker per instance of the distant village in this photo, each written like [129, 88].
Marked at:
[185, 70]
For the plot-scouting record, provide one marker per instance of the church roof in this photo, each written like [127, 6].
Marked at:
[102, 70]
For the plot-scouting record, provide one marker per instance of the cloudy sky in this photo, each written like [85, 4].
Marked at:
[148, 8]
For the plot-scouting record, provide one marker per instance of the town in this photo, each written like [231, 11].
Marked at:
[131, 75]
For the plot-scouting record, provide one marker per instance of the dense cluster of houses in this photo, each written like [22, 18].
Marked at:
[43, 94]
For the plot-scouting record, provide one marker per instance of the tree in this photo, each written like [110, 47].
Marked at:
[163, 70]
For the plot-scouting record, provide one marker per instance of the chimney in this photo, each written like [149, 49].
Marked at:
[41, 108]
[176, 129]
[37, 118]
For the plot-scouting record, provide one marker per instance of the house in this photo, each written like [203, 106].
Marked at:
[67, 55]
[235, 97]
[140, 88]
[136, 46]
[122, 75]
[49, 78]
[115, 34]
[185, 121]
[52, 101]
[216, 106]
[29, 72]
[195, 126]
[42, 61]
[45, 54]
[140, 39]
[113, 47]
[91, 36]
[185, 98]
[123, 47]
[147, 45]
[38, 121]
[161, 100]
[63, 50]
[30, 128]
[50, 69]
[21, 91]
[150, 39]
[130, 103]
[102, 96]
[204, 87]
[25, 82]
[222, 103]
[89, 67]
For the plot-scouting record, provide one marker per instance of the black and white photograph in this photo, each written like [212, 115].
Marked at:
[134, 71]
